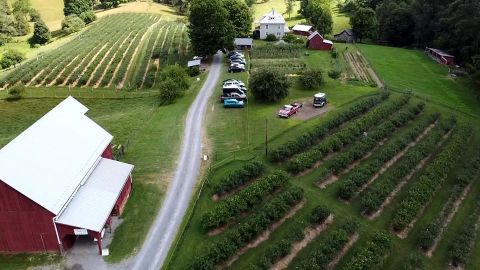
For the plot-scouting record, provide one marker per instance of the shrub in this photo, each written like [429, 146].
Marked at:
[236, 178]
[334, 53]
[334, 74]
[269, 85]
[319, 214]
[41, 34]
[34, 15]
[177, 74]
[169, 91]
[311, 79]
[461, 246]
[72, 24]
[415, 261]
[427, 235]
[88, 17]
[193, 71]
[271, 37]
[371, 255]
[10, 58]
[15, 92]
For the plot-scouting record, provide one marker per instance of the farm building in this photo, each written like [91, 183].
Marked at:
[345, 36]
[317, 42]
[243, 43]
[272, 23]
[440, 56]
[302, 30]
[58, 181]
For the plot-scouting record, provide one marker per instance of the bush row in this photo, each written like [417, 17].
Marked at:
[282, 248]
[465, 177]
[433, 176]
[233, 240]
[414, 261]
[244, 200]
[360, 176]
[376, 194]
[143, 65]
[330, 247]
[361, 148]
[347, 135]
[371, 255]
[309, 138]
[236, 178]
[461, 246]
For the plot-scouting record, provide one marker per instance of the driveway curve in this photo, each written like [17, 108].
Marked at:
[165, 227]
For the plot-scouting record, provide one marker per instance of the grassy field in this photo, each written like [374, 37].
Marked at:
[404, 69]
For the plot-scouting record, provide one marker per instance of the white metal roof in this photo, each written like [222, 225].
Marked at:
[49, 160]
[243, 42]
[272, 17]
[320, 95]
[302, 28]
[92, 204]
[194, 63]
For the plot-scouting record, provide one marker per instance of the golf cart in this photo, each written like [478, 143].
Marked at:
[319, 100]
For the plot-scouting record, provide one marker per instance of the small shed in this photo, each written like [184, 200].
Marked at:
[317, 42]
[243, 43]
[303, 30]
[440, 56]
[346, 35]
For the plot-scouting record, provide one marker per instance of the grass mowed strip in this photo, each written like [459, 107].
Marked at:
[404, 70]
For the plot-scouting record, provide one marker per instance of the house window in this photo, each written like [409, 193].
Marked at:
[279, 34]
[266, 26]
[279, 27]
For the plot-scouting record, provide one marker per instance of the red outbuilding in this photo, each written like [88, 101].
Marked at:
[440, 56]
[317, 42]
[58, 181]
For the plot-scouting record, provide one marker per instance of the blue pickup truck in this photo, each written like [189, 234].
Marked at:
[233, 103]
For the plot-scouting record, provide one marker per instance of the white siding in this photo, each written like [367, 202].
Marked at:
[276, 29]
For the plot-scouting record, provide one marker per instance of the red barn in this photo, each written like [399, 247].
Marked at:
[58, 180]
[302, 30]
[317, 42]
[440, 56]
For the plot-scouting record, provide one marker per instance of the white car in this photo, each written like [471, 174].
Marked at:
[241, 84]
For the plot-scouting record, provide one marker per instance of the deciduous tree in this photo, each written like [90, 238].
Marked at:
[364, 23]
[41, 34]
[269, 85]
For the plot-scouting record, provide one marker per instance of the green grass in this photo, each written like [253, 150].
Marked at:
[26, 261]
[405, 69]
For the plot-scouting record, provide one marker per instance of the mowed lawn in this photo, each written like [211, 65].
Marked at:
[404, 69]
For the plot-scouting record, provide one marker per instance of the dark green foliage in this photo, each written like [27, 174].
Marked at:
[193, 71]
[269, 85]
[41, 34]
[177, 74]
[427, 235]
[318, 13]
[169, 91]
[88, 17]
[109, 3]
[334, 74]
[72, 24]
[233, 240]
[77, 7]
[312, 137]
[271, 37]
[311, 79]
[210, 28]
[34, 15]
[371, 255]
[11, 58]
[239, 16]
[347, 135]
[433, 176]
[251, 196]
[386, 183]
[364, 23]
[239, 177]
[319, 214]
[15, 92]
[461, 246]
[415, 261]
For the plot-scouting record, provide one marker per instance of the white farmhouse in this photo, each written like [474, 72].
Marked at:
[273, 23]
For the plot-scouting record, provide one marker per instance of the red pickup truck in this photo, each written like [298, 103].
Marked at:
[289, 110]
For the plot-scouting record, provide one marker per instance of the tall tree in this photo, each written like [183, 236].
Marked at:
[321, 18]
[289, 5]
[22, 6]
[77, 7]
[41, 34]
[21, 24]
[209, 29]
[364, 23]
[239, 16]
[396, 23]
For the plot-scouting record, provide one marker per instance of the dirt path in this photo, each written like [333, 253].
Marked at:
[101, 62]
[399, 187]
[134, 56]
[88, 65]
[310, 235]
[97, 83]
[392, 161]
[264, 236]
[353, 239]
[448, 220]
